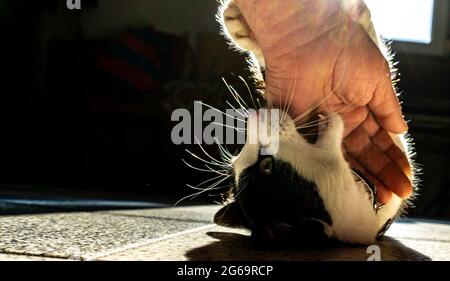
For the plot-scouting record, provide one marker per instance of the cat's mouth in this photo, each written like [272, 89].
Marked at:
[312, 127]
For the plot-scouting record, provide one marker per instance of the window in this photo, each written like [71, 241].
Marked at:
[417, 26]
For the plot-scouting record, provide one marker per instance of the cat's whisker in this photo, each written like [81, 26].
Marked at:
[243, 182]
[283, 109]
[184, 198]
[236, 96]
[241, 106]
[224, 153]
[238, 111]
[249, 91]
[220, 177]
[291, 93]
[239, 96]
[225, 157]
[208, 155]
[314, 123]
[322, 119]
[239, 130]
[224, 113]
[211, 187]
[209, 169]
[224, 165]
[209, 180]
[223, 172]
[217, 195]
[223, 215]
[304, 114]
[259, 103]
[279, 93]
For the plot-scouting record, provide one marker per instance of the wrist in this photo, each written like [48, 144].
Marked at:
[279, 26]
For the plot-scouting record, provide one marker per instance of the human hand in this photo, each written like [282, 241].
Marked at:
[316, 53]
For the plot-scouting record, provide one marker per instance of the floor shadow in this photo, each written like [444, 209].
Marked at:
[236, 247]
[24, 206]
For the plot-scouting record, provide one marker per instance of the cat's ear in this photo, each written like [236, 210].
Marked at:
[231, 215]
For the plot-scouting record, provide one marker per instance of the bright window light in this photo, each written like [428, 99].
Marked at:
[403, 20]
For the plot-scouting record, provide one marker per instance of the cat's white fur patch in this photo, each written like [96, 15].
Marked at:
[238, 32]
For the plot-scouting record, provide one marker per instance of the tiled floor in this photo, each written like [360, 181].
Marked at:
[185, 233]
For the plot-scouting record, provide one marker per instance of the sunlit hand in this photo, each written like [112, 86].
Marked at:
[313, 50]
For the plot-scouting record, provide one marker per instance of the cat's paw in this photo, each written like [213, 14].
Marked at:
[360, 13]
[237, 30]
[331, 131]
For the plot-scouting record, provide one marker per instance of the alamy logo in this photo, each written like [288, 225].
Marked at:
[375, 253]
[234, 126]
[73, 4]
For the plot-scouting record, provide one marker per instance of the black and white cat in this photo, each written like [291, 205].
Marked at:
[305, 194]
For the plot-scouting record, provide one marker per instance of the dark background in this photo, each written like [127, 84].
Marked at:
[86, 98]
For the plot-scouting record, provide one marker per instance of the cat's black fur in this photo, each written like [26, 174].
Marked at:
[279, 206]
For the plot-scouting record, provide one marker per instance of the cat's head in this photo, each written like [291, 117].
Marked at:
[275, 194]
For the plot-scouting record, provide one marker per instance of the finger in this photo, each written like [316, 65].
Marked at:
[354, 118]
[386, 107]
[384, 195]
[397, 181]
[384, 141]
[370, 156]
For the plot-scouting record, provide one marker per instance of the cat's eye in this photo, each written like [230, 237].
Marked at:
[266, 166]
